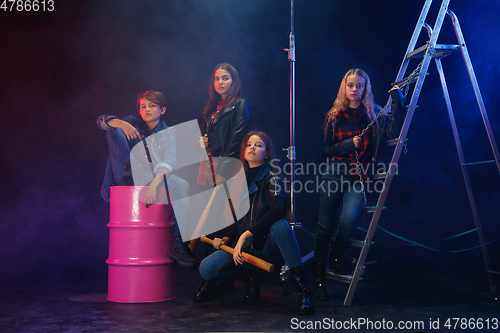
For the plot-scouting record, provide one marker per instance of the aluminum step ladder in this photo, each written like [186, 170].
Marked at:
[430, 51]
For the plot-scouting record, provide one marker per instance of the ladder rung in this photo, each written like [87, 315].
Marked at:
[441, 51]
[358, 243]
[371, 209]
[381, 175]
[394, 142]
[341, 278]
[494, 272]
[481, 162]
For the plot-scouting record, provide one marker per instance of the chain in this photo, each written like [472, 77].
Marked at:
[358, 171]
[406, 85]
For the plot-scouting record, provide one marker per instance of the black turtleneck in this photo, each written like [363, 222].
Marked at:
[276, 210]
[252, 173]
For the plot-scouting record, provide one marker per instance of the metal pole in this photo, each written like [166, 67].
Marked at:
[291, 149]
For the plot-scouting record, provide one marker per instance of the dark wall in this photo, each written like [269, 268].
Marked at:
[60, 70]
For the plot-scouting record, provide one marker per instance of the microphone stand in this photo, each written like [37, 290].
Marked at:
[291, 149]
[285, 270]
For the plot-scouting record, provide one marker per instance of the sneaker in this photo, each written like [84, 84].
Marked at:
[182, 254]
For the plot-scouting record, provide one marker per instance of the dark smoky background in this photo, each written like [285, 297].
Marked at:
[60, 70]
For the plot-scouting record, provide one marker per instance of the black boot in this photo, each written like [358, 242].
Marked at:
[306, 306]
[182, 254]
[204, 293]
[253, 282]
[334, 256]
[319, 277]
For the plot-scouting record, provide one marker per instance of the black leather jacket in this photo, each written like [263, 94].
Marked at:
[227, 132]
[266, 186]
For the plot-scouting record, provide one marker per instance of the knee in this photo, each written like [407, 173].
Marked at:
[116, 133]
[211, 266]
[349, 219]
[280, 226]
[206, 269]
[184, 185]
[178, 185]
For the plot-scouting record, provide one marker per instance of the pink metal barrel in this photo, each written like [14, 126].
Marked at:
[140, 240]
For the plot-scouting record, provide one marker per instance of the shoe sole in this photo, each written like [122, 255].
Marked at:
[182, 264]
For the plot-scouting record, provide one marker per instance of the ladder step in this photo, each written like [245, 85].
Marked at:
[371, 209]
[381, 175]
[394, 142]
[481, 162]
[358, 243]
[342, 278]
[441, 51]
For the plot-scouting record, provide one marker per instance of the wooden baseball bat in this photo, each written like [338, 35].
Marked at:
[204, 215]
[253, 260]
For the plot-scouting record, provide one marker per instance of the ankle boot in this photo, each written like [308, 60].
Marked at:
[253, 282]
[319, 277]
[204, 293]
[334, 256]
[306, 306]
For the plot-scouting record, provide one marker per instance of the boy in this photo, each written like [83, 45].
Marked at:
[122, 135]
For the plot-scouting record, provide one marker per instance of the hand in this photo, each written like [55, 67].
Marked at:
[357, 141]
[204, 142]
[219, 179]
[130, 131]
[394, 87]
[218, 242]
[238, 254]
[238, 249]
[150, 197]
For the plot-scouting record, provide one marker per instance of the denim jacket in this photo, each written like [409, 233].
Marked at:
[160, 142]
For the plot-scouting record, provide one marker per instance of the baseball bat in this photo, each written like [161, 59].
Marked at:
[253, 260]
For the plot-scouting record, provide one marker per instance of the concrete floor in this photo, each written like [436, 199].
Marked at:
[78, 304]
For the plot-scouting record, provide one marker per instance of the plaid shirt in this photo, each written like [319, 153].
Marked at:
[339, 144]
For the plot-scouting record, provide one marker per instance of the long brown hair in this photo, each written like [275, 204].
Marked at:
[341, 103]
[270, 153]
[234, 94]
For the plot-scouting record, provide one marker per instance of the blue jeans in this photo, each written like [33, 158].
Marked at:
[280, 247]
[119, 153]
[338, 193]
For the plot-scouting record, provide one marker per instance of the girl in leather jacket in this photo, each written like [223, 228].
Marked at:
[223, 125]
[263, 231]
[225, 122]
